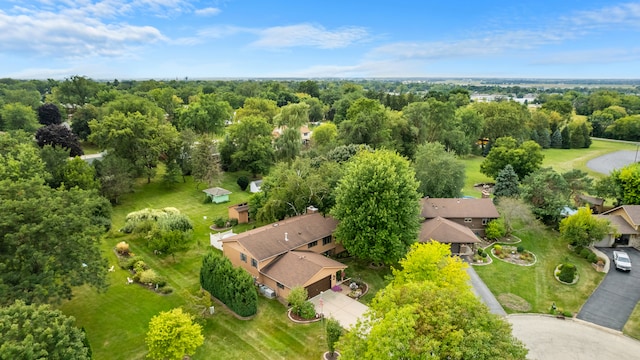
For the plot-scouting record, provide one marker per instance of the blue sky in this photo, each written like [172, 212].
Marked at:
[168, 39]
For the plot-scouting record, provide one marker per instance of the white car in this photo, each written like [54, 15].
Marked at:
[621, 260]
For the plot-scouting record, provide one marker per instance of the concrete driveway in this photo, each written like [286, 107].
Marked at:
[613, 301]
[340, 307]
[606, 163]
[548, 338]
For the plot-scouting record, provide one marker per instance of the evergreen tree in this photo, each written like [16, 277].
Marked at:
[545, 138]
[585, 133]
[566, 138]
[556, 139]
[507, 183]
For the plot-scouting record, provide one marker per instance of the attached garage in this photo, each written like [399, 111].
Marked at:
[319, 286]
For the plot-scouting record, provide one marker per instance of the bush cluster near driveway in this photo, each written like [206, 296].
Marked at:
[536, 284]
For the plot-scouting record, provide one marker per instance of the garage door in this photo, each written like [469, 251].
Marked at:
[319, 286]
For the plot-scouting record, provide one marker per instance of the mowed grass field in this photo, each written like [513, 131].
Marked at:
[116, 321]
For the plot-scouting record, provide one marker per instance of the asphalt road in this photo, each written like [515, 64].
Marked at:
[613, 301]
[606, 163]
[482, 291]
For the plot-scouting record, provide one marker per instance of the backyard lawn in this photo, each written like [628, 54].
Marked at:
[632, 327]
[116, 321]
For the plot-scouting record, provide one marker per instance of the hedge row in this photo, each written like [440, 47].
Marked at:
[233, 286]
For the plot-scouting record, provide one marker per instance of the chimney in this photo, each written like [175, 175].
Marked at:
[286, 238]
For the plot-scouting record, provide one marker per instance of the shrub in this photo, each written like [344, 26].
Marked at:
[166, 290]
[498, 247]
[220, 222]
[207, 199]
[122, 248]
[567, 313]
[233, 222]
[520, 249]
[567, 273]
[148, 276]
[243, 182]
[478, 258]
[593, 258]
[130, 262]
[140, 266]
[585, 253]
[333, 333]
[496, 229]
[297, 296]
[180, 222]
[307, 310]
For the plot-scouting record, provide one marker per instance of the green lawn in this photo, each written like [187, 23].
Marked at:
[632, 327]
[536, 284]
[116, 321]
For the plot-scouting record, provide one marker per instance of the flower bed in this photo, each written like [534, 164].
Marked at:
[514, 255]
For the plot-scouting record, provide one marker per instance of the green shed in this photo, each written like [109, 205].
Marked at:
[218, 195]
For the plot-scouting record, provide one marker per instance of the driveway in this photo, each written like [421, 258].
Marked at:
[548, 338]
[483, 293]
[619, 159]
[613, 301]
[340, 307]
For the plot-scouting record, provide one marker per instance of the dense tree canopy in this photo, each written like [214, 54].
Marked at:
[366, 123]
[548, 193]
[249, 145]
[377, 204]
[16, 116]
[438, 171]
[49, 114]
[206, 115]
[58, 135]
[429, 312]
[524, 159]
[507, 184]
[39, 332]
[504, 118]
[55, 247]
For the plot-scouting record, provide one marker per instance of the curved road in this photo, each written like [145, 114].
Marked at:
[548, 338]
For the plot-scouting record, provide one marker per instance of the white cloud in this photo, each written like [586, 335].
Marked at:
[59, 35]
[210, 11]
[627, 14]
[593, 56]
[308, 35]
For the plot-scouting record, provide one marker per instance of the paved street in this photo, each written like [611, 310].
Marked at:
[613, 301]
[548, 338]
[619, 159]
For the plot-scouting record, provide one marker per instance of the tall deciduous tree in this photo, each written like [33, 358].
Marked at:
[429, 312]
[378, 204]
[583, 229]
[135, 137]
[288, 145]
[504, 118]
[439, 172]
[293, 115]
[39, 332]
[250, 140]
[266, 109]
[15, 116]
[49, 114]
[524, 159]
[172, 335]
[116, 177]
[50, 241]
[81, 118]
[58, 135]
[324, 136]
[206, 115]
[366, 123]
[626, 183]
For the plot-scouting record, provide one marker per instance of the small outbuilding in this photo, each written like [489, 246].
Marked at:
[217, 194]
[255, 186]
[239, 212]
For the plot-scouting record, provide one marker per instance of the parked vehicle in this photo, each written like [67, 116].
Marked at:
[622, 260]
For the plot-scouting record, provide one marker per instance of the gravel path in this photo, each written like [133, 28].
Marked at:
[605, 163]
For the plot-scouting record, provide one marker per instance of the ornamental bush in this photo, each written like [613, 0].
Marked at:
[122, 248]
[243, 182]
[567, 273]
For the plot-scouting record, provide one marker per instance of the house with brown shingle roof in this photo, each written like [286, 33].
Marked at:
[461, 239]
[292, 252]
[625, 220]
[474, 214]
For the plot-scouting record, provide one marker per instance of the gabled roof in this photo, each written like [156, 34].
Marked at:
[592, 200]
[619, 223]
[296, 268]
[633, 211]
[216, 191]
[449, 208]
[271, 240]
[446, 231]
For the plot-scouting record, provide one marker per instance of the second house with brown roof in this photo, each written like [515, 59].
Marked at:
[289, 253]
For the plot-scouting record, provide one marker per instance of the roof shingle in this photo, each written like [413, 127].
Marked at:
[296, 268]
[446, 231]
[451, 208]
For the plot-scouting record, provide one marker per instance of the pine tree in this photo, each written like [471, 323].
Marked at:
[507, 183]
[556, 139]
[566, 138]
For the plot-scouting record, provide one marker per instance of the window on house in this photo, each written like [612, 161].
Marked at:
[485, 221]
[243, 257]
[312, 244]
[254, 263]
[467, 220]
[280, 285]
[326, 240]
